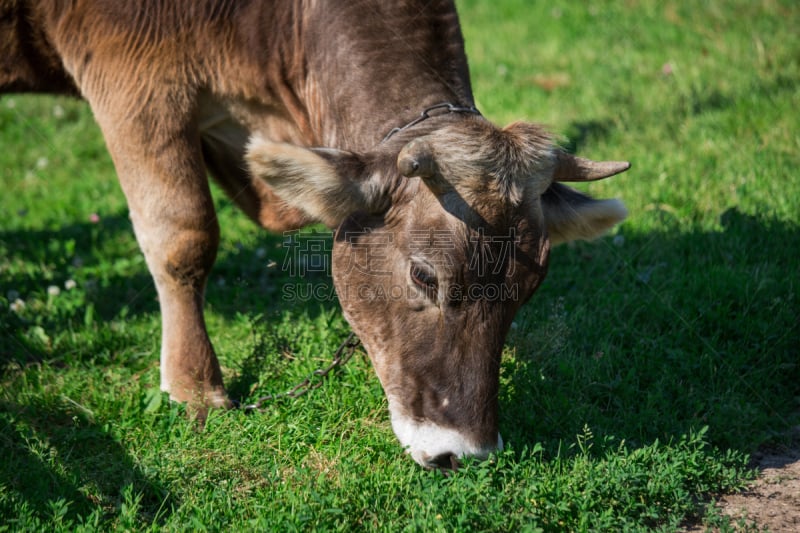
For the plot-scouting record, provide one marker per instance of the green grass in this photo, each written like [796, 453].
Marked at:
[634, 384]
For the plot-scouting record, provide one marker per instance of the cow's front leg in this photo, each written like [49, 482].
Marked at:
[164, 180]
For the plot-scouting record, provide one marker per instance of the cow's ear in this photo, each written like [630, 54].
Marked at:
[327, 184]
[570, 215]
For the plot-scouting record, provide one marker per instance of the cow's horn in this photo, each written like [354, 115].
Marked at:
[416, 160]
[574, 168]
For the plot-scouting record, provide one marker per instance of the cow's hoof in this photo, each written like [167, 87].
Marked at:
[199, 404]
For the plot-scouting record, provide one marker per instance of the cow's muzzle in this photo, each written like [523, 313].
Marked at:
[436, 447]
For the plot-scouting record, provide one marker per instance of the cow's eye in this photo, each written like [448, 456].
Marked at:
[424, 276]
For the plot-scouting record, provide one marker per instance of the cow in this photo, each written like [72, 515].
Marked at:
[358, 115]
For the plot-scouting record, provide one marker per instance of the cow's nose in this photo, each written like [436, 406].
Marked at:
[434, 446]
[446, 461]
[452, 458]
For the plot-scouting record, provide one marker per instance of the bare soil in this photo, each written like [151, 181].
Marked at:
[772, 501]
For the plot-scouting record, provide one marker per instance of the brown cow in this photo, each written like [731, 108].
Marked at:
[444, 222]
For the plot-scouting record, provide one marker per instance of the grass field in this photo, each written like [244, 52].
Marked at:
[634, 384]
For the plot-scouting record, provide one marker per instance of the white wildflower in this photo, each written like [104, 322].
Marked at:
[70, 284]
[42, 162]
[17, 305]
[53, 290]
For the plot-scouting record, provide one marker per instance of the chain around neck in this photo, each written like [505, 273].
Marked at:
[447, 107]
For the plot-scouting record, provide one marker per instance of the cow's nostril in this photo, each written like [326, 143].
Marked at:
[447, 461]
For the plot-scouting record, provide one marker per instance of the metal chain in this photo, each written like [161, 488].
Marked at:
[342, 355]
[426, 114]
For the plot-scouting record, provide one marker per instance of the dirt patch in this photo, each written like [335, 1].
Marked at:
[772, 501]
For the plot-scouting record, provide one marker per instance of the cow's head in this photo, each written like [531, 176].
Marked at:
[437, 247]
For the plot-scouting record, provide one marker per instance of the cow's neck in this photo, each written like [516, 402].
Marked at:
[363, 80]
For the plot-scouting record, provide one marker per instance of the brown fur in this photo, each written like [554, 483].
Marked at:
[179, 88]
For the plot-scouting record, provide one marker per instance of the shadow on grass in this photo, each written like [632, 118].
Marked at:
[110, 270]
[660, 335]
[38, 258]
[100, 256]
[56, 453]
